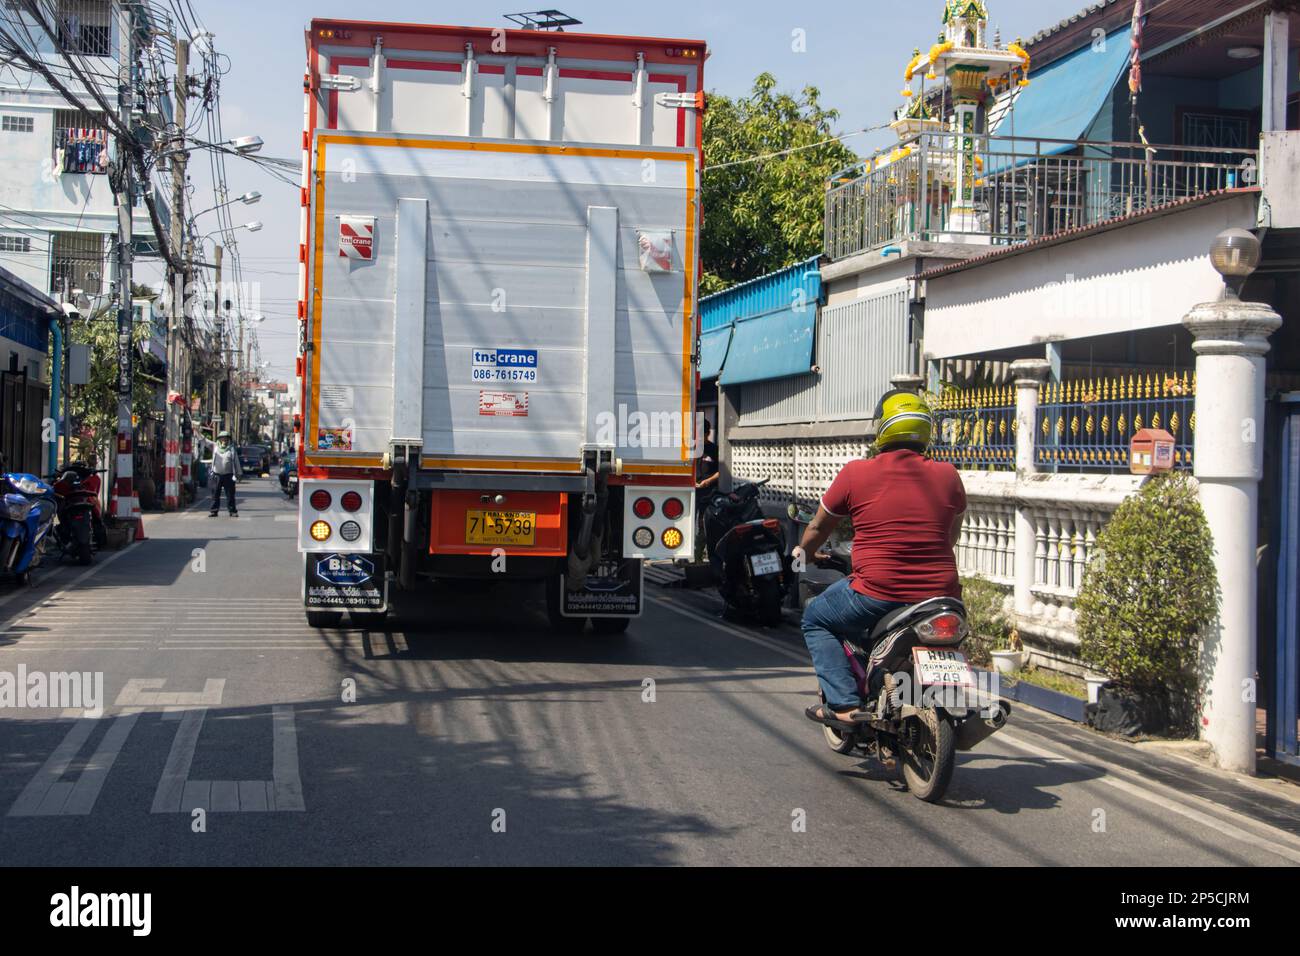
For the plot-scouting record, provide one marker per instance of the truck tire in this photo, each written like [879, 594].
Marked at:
[559, 623]
[610, 625]
[320, 619]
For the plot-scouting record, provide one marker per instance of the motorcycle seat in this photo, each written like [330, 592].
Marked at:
[922, 609]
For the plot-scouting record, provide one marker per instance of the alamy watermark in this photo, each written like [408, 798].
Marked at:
[77, 690]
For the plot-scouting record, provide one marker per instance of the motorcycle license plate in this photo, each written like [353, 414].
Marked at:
[500, 527]
[769, 562]
[293, 479]
[936, 665]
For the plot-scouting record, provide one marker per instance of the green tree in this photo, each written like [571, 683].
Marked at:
[94, 405]
[765, 215]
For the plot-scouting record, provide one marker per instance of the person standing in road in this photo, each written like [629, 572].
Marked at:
[226, 470]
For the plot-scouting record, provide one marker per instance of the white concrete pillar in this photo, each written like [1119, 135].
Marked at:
[1029, 374]
[1276, 49]
[1231, 338]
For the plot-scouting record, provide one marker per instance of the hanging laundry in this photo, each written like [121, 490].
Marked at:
[83, 150]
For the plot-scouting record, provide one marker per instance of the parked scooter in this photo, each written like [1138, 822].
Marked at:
[923, 701]
[748, 553]
[27, 509]
[80, 529]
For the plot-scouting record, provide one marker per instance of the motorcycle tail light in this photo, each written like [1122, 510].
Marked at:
[771, 524]
[942, 628]
[643, 508]
[673, 509]
[320, 499]
[351, 501]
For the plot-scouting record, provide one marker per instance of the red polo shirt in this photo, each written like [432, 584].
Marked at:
[903, 506]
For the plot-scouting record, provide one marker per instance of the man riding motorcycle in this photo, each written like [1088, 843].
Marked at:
[907, 512]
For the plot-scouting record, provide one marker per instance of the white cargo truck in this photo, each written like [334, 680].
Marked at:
[500, 260]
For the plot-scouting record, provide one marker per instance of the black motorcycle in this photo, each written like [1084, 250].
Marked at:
[748, 553]
[923, 701]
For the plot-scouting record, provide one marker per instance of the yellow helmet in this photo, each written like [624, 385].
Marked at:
[902, 417]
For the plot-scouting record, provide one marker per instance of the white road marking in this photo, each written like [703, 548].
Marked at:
[1283, 844]
[32, 798]
[95, 569]
[733, 631]
[143, 692]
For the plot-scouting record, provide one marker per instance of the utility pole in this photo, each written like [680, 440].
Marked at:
[180, 282]
[124, 486]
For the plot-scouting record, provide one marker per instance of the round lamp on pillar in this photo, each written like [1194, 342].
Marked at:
[1235, 255]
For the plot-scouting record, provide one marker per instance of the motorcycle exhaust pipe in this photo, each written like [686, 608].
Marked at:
[975, 730]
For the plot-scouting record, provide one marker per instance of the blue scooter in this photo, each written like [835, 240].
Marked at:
[27, 510]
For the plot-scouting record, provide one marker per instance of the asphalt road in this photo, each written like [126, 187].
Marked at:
[477, 737]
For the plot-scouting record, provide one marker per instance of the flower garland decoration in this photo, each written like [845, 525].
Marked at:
[936, 51]
[908, 73]
[1020, 51]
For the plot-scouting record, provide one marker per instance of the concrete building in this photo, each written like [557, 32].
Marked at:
[57, 215]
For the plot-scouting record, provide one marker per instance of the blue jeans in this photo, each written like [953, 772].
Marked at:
[840, 611]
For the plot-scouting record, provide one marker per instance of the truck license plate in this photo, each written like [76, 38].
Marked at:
[935, 665]
[769, 562]
[500, 527]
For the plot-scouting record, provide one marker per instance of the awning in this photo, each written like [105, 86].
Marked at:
[775, 345]
[713, 350]
[1061, 101]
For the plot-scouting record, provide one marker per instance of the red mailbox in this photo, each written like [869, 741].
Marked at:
[1151, 451]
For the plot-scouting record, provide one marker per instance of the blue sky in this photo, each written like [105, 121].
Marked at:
[855, 54]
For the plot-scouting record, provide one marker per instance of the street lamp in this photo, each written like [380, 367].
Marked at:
[247, 199]
[1235, 255]
[244, 144]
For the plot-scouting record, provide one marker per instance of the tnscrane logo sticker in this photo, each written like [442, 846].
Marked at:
[344, 569]
[357, 237]
[503, 404]
[504, 365]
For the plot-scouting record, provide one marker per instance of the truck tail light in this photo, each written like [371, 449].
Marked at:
[320, 530]
[672, 539]
[351, 501]
[673, 508]
[643, 537]
[320, 500]
[643, 508]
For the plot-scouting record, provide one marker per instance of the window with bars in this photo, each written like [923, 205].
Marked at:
[17, 124]
[85, 26]
[15, 244]
[78, 259]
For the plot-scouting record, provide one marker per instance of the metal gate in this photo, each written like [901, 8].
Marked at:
[1284, 692]
[22, 410]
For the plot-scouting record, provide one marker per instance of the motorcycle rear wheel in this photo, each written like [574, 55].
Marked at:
[929, 771]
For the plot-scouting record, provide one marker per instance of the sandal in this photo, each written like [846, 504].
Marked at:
[827, 718]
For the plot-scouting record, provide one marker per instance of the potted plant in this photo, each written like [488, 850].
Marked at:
[1147, 594]
[1010, 657]
[992, 639]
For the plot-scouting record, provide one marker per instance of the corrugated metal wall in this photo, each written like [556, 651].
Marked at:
[860, 346]
[770, 293]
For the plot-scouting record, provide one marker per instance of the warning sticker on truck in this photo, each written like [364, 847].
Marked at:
[503, 404]
[504, 365]
[357, 237]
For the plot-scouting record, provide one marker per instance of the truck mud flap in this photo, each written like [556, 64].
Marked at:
[613, 589]
[345, 582]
